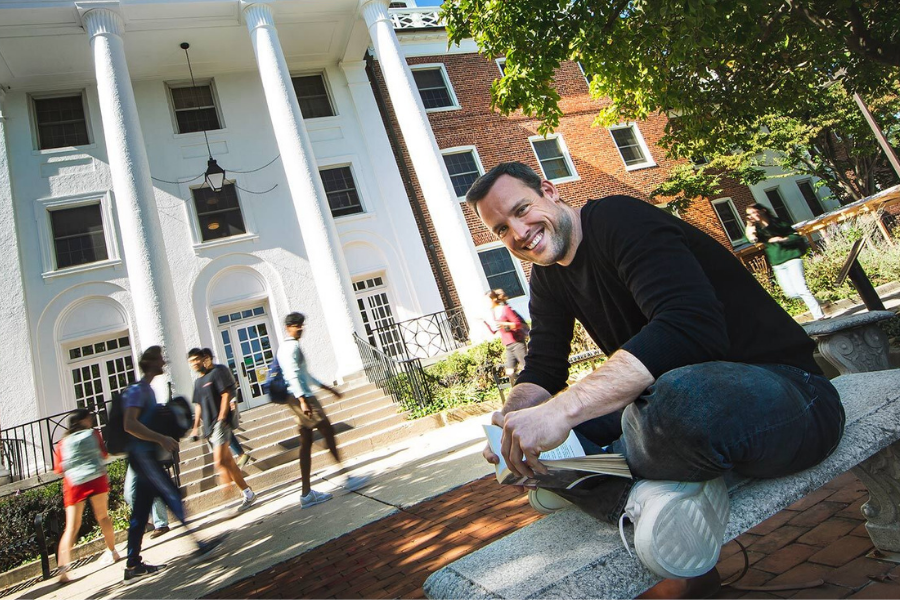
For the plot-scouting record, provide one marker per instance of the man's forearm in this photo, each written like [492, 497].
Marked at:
[224, 406]
[525, 395]
[612, 387]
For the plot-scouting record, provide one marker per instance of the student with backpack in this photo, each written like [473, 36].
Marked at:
[513, 332]
[79, 458]
[146, 449]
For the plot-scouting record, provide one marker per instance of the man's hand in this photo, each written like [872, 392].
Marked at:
[527, 433]
[168, 444]
[487, 453]
[523, 395]
[304, 408]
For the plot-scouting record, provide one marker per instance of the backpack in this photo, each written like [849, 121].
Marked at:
[523, 330]
[275, 385]
[173, 419]
[114, 435]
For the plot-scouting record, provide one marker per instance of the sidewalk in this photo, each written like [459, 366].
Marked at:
[276, 530]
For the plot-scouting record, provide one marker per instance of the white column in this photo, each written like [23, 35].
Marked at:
[320, 237]
[449, 223]
[16, 368]
[152, 292]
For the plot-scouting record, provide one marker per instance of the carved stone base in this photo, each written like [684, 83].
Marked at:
[881, 475]
[853, 344]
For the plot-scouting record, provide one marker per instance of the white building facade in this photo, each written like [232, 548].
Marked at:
[114, 241]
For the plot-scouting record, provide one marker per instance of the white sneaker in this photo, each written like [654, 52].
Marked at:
[313, 498]
[678, 526]
[354, 482]
[109, 557]
[247, 501]
[545, 501]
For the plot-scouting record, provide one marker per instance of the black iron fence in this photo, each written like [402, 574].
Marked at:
[423, 337]
[404, 379]
[27, 450]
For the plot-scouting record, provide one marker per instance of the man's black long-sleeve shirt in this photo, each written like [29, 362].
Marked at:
[661, 289]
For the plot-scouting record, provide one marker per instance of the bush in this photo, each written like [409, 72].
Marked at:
[17, 511]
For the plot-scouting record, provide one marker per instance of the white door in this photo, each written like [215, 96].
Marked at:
[377, 316]
[248, 351]
[99, 369]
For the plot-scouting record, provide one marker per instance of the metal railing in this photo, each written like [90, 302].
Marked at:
[27, 450]
[405, 380]
[425, 336]
[415, 18]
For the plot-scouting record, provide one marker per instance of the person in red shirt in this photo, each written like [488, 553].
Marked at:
[79, 458]
[513, 332]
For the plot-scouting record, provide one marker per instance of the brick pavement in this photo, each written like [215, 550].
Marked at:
[819, 537]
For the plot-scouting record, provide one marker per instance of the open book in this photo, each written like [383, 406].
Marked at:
[567, 464]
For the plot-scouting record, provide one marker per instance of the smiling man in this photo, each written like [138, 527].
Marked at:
[707, 374]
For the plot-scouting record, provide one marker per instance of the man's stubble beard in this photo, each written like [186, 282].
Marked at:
[559, 241]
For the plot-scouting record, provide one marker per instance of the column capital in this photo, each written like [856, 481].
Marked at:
[102, 17]
[257, 13]
[355, 71]
[374, 10]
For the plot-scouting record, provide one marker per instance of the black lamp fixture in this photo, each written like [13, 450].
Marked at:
[215, 175]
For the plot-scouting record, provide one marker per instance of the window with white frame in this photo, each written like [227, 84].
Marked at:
[99, 369]
[730, 220]
[312, 94]
[218, 213]
[778, 206]
[340, 188]
[434, 87]
[195, 107]
[60, 121]
[631, 146]
[501, 64]
[464, 168]
[809, 195]
[377, 316]
[554, 158]
[78, 236]
[501, 272]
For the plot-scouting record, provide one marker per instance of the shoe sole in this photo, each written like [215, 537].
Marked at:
[546, 502]
[683, 542]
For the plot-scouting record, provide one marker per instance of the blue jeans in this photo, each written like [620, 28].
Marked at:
[151, 481]
[160, 516]
[700, 421]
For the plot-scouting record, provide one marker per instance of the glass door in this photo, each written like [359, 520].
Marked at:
[248, 352]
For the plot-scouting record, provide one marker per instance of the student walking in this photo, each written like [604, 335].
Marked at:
[158, 511]
[144, 447]
[308, 411]
[213, 393]
[79, 457]
[513, 332]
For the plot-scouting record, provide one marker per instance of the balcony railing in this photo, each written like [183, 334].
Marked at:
[415, 18]
[424, 337]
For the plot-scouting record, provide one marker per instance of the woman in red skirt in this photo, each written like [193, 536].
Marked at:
[79, 457]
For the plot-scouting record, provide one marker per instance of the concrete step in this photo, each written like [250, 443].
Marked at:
[287, 438]
[256, 428]
[289, 471]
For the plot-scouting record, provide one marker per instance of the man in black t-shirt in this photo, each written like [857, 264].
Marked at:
[213, 391]
[706, 373]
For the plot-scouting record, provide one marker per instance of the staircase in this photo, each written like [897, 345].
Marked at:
[364, 420]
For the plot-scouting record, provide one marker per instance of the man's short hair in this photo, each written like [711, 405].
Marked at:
[149, 355]
[483, 184]
[206, 353]
[294, 318]
[195, 352]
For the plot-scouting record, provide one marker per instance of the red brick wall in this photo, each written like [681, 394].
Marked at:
[592, 149]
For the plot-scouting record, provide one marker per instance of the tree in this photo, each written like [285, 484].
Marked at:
[720, 65]
[832, 142]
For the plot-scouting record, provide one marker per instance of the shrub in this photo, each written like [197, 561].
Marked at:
[17, 511]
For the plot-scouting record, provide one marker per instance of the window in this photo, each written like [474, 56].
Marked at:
[340, 189]
[501, 64]
[731, 222]
[312, 96]
[434, 88]
[777, 202]
[812, 200]
[78, 236]
[632, 149]
[464, 169]
[99, 369]
[501, 272]
[61, 121]
[554, 158]
[219, 213]
[195, 108]
[377, 315]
